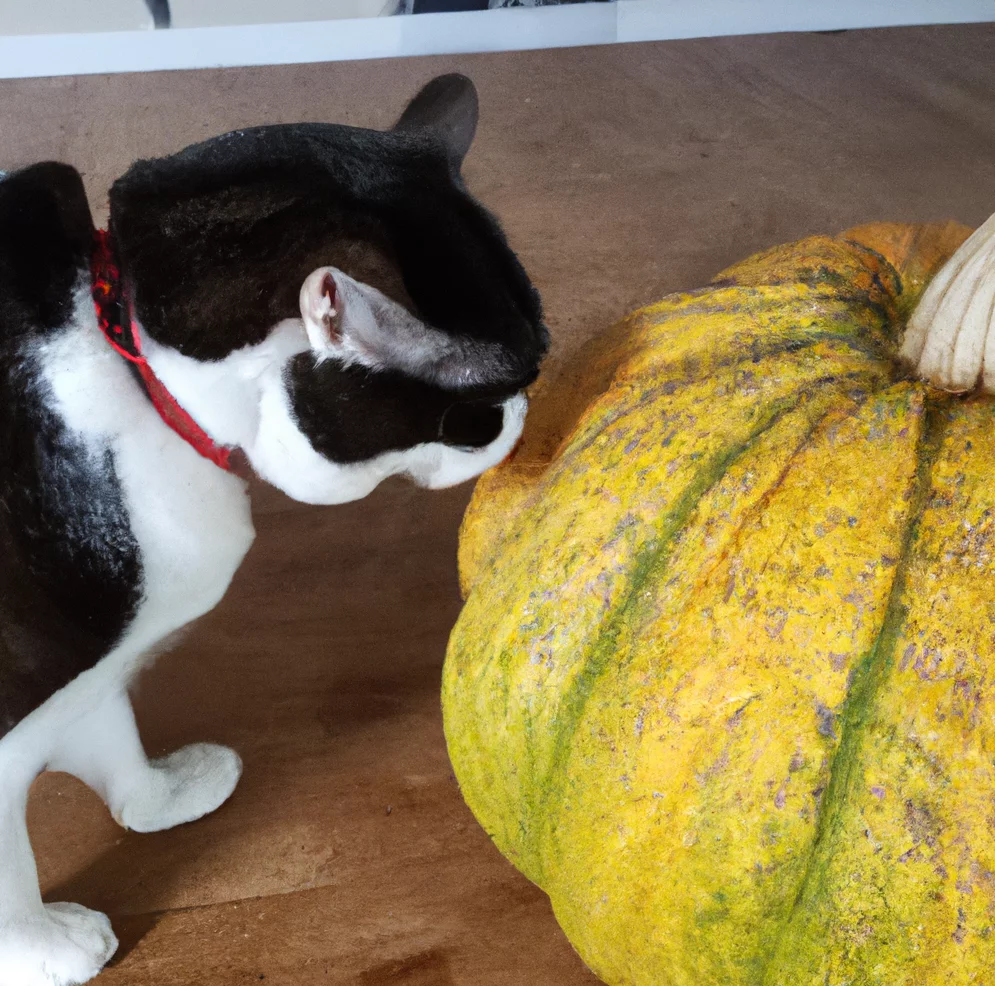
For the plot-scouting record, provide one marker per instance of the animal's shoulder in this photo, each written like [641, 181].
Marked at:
[46, 235]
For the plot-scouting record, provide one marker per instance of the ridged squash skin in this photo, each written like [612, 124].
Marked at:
[724, 682]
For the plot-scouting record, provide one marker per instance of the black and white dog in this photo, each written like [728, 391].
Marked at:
[330, 301]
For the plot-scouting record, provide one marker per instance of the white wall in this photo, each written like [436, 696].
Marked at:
[48, 16]
[213, 13]
[425, 34]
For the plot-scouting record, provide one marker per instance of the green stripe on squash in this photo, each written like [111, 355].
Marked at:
[721, 680]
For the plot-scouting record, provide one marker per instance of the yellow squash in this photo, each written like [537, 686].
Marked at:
[724, 683]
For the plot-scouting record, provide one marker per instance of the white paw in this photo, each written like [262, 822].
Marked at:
[182, 787]
[65, 946]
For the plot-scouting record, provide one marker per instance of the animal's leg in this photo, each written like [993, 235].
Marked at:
[40, 944]
[103, 749]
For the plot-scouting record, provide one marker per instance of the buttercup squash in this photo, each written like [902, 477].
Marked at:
[724, 683]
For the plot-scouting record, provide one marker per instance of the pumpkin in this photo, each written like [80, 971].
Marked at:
[724, 681]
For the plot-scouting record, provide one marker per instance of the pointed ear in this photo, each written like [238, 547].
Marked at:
[353, 322]
[321, 310]
[447, 108]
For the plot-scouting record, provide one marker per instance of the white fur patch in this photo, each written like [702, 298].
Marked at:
[59, 945]
[193, 527]
[242, 400]
[103, 749]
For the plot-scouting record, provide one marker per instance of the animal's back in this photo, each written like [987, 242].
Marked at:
[69, 565]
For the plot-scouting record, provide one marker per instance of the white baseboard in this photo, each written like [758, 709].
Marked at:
[511, 29]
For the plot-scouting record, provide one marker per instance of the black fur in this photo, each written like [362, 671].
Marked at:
[70, 575]
[217, 239]
[46, 235]
[351, 414]
[447, 107]
[214, 243]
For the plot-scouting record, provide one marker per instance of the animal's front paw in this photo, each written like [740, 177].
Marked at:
[66, 945]
[182, 787]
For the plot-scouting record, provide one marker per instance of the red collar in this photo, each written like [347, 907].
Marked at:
[107, 298]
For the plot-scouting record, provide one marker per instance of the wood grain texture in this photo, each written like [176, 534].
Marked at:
[621, 174]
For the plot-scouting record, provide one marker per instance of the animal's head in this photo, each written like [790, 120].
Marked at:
[352, 280]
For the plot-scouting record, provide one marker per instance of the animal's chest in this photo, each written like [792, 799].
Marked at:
[189, 519]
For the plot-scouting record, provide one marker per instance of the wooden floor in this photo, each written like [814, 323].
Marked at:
[346, 855]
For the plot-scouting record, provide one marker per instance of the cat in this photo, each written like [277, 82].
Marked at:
[326, 302]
